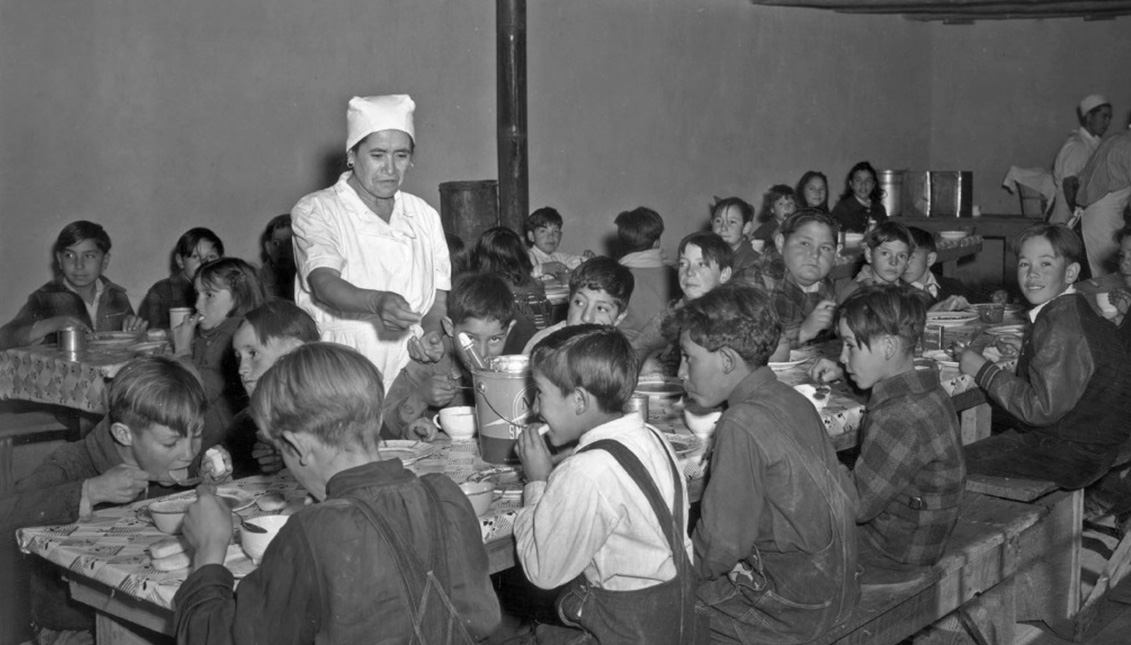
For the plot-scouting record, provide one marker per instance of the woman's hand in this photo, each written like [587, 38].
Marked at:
[393, 310]
[824, 370]
[208, 527]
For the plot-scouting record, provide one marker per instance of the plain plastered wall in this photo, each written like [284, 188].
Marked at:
[151, 118]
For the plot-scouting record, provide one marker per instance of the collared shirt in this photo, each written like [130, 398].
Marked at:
[910, 473]
[538, 257]
[592, 518]
[758, 495]
[1070, 162]
[1108, 171]
[407, 255]
[930, 285]
[92, 305]
[793, 303]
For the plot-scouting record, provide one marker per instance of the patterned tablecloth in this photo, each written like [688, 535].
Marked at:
[43, 374]
[111, 547]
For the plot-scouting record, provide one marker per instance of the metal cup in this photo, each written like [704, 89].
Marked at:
[638, 404]
[72, 340]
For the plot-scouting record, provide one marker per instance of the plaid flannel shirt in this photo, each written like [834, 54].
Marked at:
[910, 474]
[792, 305]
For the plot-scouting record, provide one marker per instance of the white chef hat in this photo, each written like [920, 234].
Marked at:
[368, 114]
[1092, 102]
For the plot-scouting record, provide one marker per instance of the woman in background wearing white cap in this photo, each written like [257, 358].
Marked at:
[1095, 117]
[372, 262]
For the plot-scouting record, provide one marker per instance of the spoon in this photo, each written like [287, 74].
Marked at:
[251, 528]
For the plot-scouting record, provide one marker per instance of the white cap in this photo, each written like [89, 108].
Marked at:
[1092, 102]
[369, 114]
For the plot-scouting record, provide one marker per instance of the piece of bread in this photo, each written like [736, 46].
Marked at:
[167, 547]
[175, 562]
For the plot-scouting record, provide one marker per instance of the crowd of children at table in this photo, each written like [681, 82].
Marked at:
[785, 533]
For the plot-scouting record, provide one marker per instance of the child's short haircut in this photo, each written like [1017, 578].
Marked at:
[742, 205]
[923, 239]
[324, 389]
[885, 310]
[545, 216]
[484, 296]
[604, 274]
[595, 357]
[459, 253]
[277, 222]
[889, 231]
[194, 236]
[714, 248]
[156, 390]
[639, 228]
[805, 216]
[731, 315]
[282, 319]
[1065, 242]
[76, 232]
[771, 197]
[236, 276]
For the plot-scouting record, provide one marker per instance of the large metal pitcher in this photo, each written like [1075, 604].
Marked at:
[891, 182]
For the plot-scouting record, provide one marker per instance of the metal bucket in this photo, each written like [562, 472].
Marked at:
[891, 182]
[504, 400]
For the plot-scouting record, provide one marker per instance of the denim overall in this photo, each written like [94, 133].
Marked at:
[788, 598]
[657, 615]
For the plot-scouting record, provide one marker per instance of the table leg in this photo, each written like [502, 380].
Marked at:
[975, 423]
[1049, 588]
[121, 619]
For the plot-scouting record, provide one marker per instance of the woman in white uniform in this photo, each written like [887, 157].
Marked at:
[372, 263]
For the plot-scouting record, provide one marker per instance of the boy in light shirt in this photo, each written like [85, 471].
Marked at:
[611, 519]
[599, 290]
[543, 235]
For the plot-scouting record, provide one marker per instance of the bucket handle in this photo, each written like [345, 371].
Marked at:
[482, 389]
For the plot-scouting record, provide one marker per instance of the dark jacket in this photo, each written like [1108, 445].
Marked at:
[55, 299]
[330, 576]
[853, 216]
[214, 358]
[1072, 380]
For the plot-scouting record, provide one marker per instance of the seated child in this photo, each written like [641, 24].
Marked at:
[919, 275]
[196, 247]
[733, 220]
[79, 296]
[861, 204]
[610, 520]
[599, 292]
[278, 270]
[500, 251]
[139, 449]
[777, 204]
[775, 547]
[332, 575]
[910, 473]
[226, 289]
[543, 235]
[705, 262]
[479, 305]
[1116, 285]
[1069, 394]
[266, 334]
[639, 232]
[804, 298]
[459, 254]
[887, 250]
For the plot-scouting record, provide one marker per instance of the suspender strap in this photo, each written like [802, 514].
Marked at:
[671, 527]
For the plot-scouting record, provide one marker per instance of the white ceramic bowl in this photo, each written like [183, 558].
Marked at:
[480, 494]
[255, 544]
[952, 235]
[169, 514]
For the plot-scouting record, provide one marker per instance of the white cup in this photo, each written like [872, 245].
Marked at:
[255, 544]
[458, 422]
[759, 245]
[177, 316]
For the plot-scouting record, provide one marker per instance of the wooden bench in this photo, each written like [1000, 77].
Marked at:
[990, 547]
